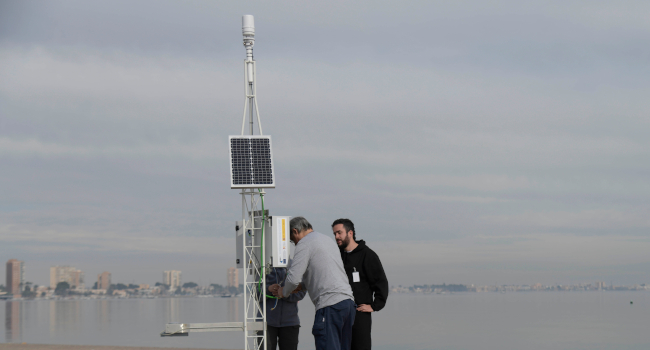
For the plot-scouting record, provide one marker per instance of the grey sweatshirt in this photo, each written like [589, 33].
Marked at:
[318, 266]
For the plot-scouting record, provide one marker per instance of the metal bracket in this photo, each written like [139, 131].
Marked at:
[183, 329]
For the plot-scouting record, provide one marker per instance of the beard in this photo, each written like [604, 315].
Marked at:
[345, 242]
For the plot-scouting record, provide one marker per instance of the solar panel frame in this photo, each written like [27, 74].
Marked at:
[251, 161]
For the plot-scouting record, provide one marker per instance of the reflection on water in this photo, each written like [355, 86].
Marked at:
[65, 316]
[12, 321]
[172, 310]
[130, 322]
[103, 314]
[233, 310]
[489, 321]
[52, 306]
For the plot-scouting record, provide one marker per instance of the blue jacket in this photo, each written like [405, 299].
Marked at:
[285, 314]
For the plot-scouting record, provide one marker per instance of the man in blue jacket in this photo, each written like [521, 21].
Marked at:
[282, 322]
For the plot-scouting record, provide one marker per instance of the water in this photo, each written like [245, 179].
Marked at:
[535, 320]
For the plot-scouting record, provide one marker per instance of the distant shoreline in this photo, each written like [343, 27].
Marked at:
[23, 346]
[392, 293]
[81, 297]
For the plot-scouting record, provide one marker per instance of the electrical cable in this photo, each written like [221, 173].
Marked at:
[263, 264]
[276, 299]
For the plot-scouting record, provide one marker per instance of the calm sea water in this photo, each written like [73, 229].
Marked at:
[535, 320]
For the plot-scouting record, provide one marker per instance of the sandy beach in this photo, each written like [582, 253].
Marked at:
[12, 346]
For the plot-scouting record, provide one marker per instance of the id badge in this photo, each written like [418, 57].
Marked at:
[355, 276]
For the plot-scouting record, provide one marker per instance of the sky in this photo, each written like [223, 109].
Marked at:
[474, 142]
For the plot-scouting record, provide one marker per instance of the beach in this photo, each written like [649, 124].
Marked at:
[23, 346]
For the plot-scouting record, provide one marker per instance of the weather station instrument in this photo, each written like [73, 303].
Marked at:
[262, 241]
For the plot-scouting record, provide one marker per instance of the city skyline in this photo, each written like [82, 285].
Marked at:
[172, 283]
[104, 280]
[76, 277]
[233, 277]
[491, 142]
[71, 275]
[14, 276]
[173, 279]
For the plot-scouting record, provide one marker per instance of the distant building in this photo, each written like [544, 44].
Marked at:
[172, 279]
[73, 276]
[15, 276]
[104, 280]
[600, 285]
[233, 277]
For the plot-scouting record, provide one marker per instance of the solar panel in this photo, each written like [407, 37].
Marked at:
[251, 162]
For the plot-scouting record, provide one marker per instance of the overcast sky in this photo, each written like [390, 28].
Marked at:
[470, 142]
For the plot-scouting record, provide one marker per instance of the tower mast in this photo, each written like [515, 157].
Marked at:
[261, 241]
[253, 219]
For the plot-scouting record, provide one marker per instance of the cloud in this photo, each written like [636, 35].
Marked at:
[36, 148]
[480, 249]
[483, 182]
[610, 219]
[66, 239]
[543, 258]
[114, 82]
[420, 196]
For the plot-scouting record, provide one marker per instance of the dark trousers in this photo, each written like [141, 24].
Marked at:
[361, 338]
[286, 337]
[333, 326]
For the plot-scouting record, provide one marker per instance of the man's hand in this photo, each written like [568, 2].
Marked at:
[365, 308]
[274, 289]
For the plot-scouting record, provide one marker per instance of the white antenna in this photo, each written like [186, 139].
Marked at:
[248, 29]
[250, 105]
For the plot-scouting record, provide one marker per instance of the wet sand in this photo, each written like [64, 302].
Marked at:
[13, 346]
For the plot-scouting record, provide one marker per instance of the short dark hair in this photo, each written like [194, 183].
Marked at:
[349, 226]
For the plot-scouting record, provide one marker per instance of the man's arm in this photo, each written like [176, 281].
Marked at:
[296, 296]
[377, 280]
[299, 265]
[298, 293]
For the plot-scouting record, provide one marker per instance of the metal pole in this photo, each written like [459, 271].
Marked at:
[257, 110]
[253, 271]
[243, 122]
[250, 106]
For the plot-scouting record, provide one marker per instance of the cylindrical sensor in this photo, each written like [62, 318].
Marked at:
[249, 66]
[248, 25]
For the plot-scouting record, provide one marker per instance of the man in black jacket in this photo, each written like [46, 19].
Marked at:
[282, 322]
[367, 278]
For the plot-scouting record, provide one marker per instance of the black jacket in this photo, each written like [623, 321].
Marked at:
[371, 274]
[284, 313]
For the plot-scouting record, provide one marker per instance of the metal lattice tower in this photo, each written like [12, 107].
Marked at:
[251, 199]
[251, 171]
